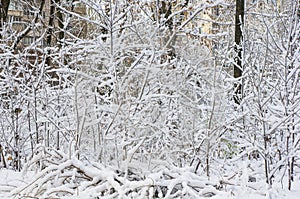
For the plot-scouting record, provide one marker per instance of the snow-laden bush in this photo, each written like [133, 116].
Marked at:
[61, 175]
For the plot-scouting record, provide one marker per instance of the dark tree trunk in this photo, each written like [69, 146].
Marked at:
[60, 20]
[49, 39]
[4, 9]
[238, 38]
[2, 157]
[50, 24]
[4, 4]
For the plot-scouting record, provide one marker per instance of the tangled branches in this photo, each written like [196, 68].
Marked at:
[62, 175]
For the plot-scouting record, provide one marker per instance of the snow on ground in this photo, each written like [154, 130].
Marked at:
[10, 180]
[275, 193]
[245, 195]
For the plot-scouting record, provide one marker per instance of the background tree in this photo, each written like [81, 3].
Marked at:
[4, 4]
[238, 39]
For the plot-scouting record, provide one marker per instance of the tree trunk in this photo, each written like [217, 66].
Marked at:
[238, 38]
[60, 21]
[4, 4]
[2, 157]
[3, 10]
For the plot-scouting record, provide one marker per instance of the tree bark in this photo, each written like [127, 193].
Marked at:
[60, 20]
[238, 38]
[4, 9]
[2, 157]
[4, 4]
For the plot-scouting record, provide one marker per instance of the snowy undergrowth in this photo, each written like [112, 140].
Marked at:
[53, 174]
[61, 175]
